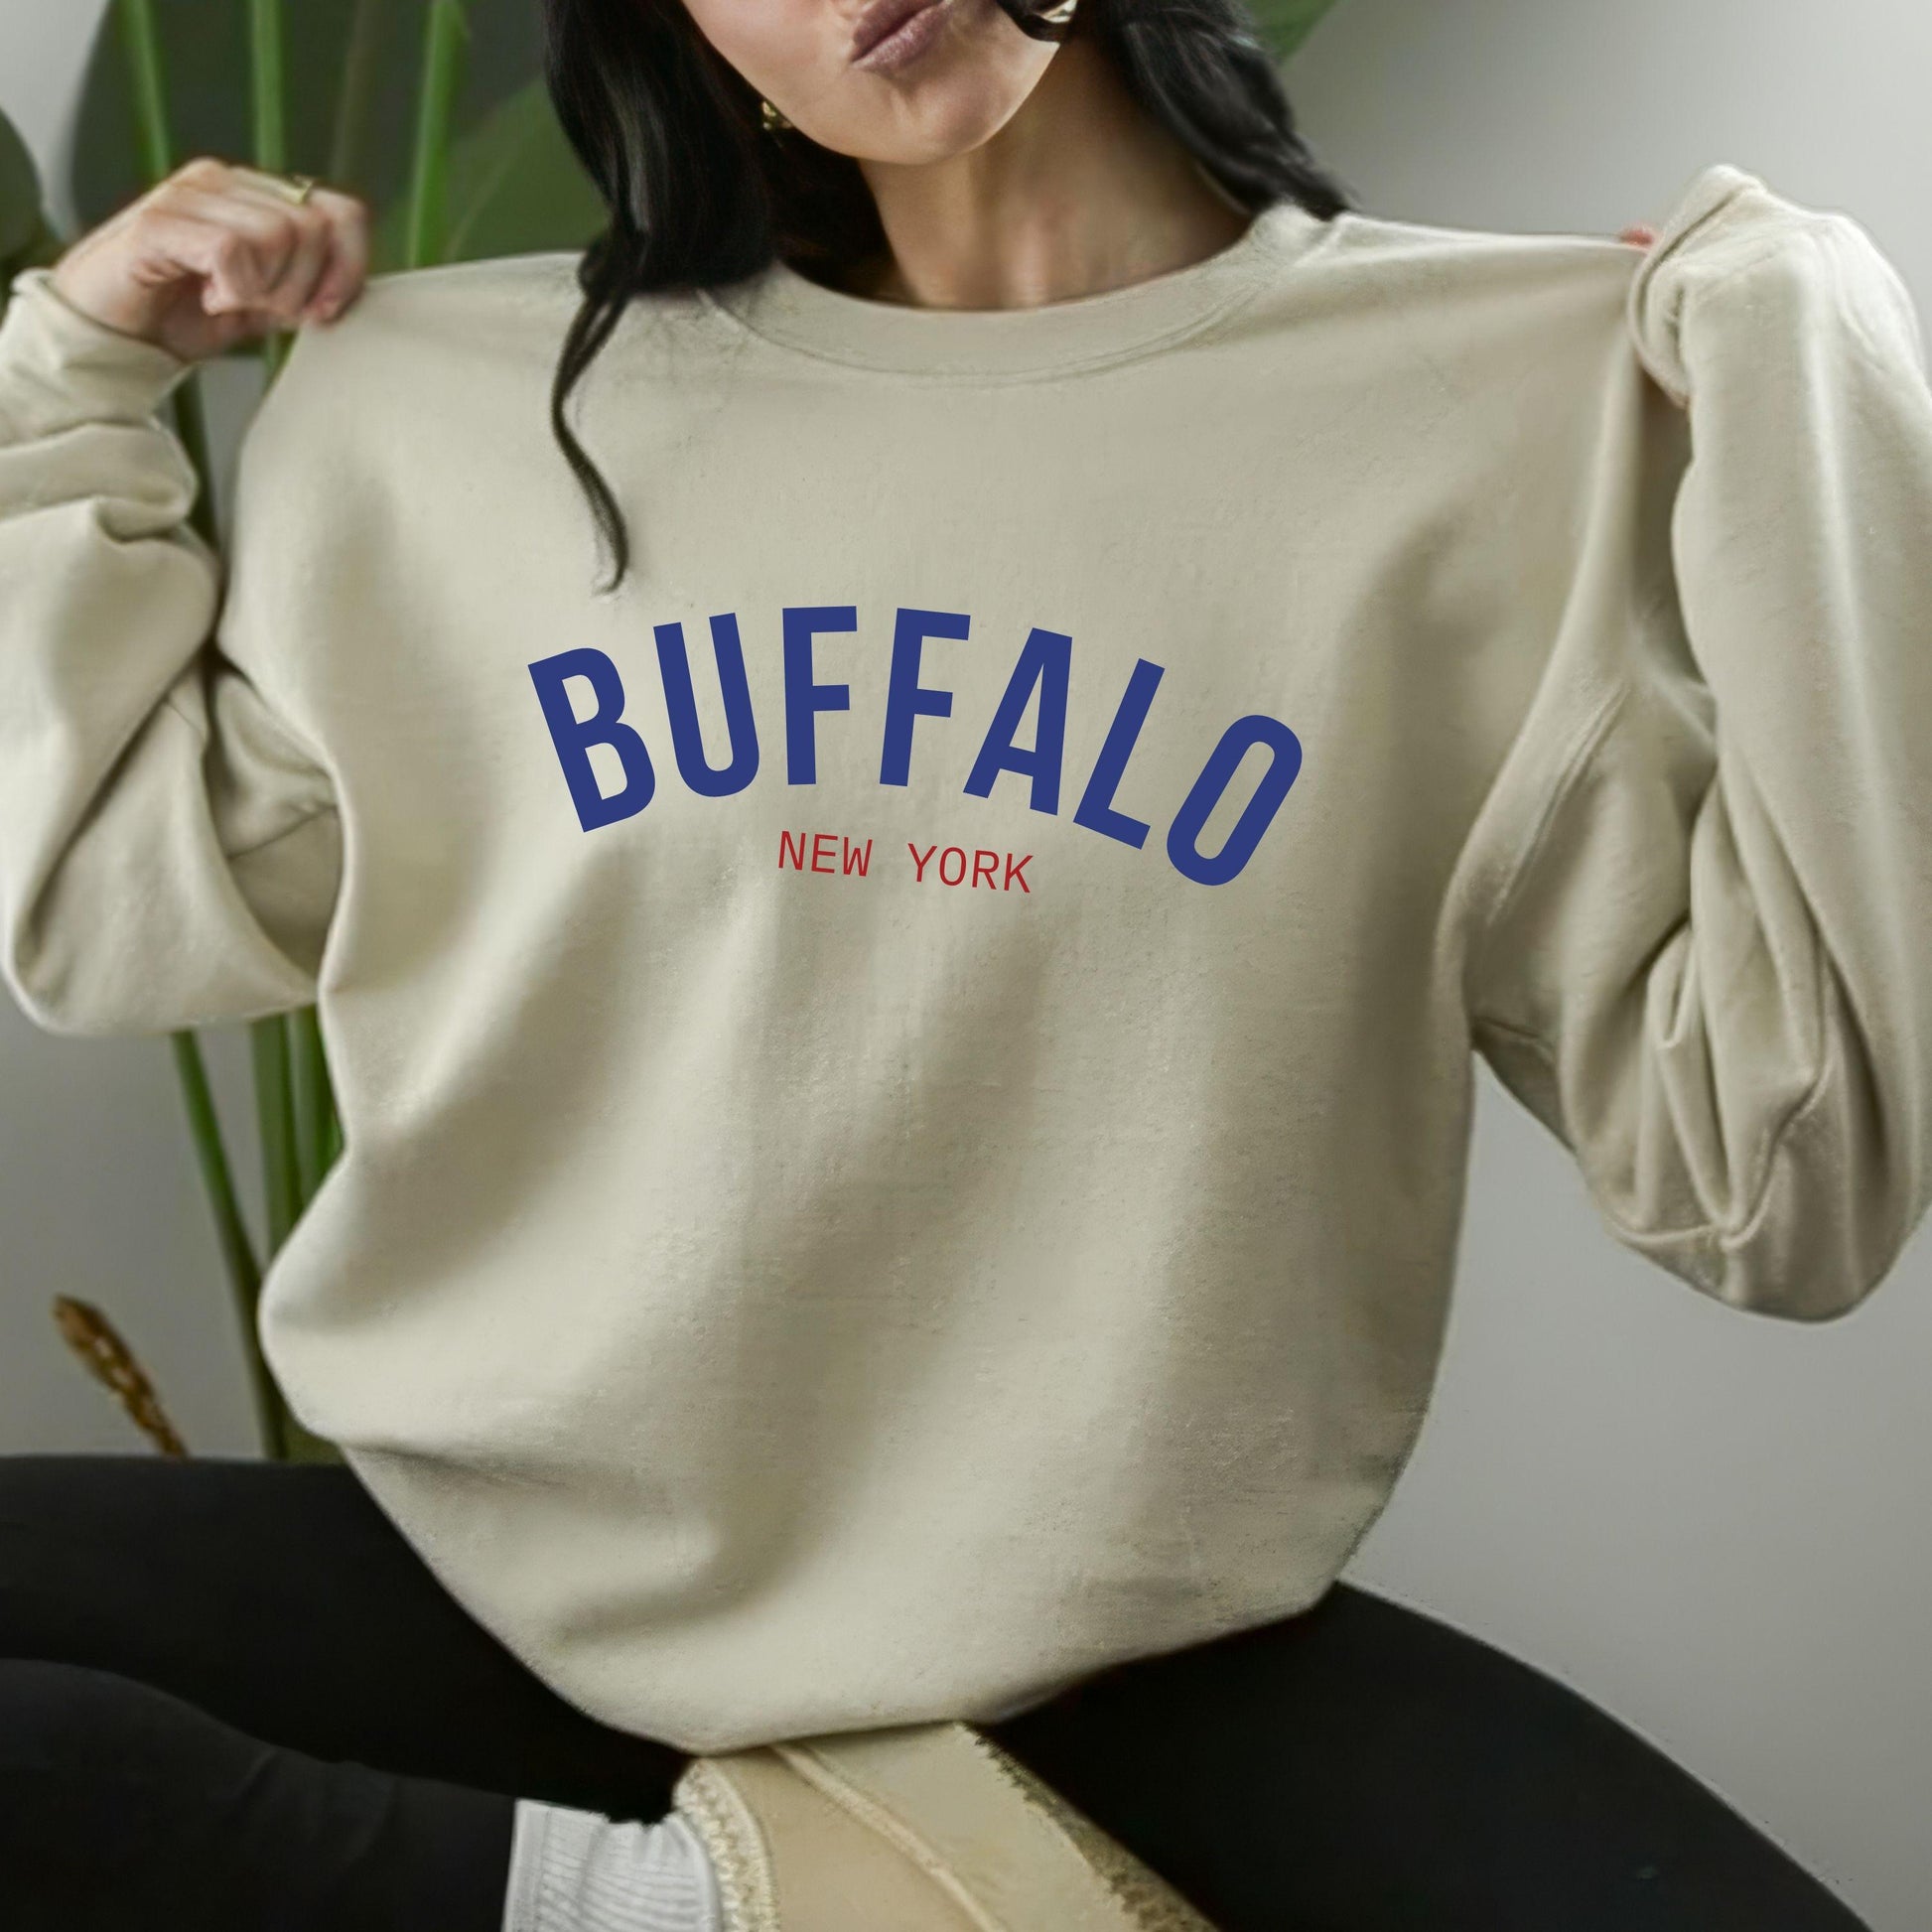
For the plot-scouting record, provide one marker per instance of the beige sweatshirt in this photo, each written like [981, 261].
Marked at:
[907, 1076]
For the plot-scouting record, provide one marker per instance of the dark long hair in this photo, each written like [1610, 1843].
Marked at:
[700, 195]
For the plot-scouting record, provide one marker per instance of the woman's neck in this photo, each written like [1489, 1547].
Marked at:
[1080, 192]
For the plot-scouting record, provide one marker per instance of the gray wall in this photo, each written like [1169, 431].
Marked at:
[1715, 1524]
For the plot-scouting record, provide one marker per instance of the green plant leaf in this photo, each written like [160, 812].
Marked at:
[349, 115]
[27, 237]
[1286, 24]
[514, 187]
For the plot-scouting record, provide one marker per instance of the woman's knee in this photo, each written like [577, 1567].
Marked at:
[102, 1558]
[122, 1804]
[1417, 1764]
[89, 1765]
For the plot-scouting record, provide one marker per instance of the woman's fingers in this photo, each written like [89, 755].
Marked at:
[347, 265]
[331, 258]
[246, 250]
[215, 253]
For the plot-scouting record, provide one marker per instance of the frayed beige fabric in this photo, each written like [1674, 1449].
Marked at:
[916, 1827]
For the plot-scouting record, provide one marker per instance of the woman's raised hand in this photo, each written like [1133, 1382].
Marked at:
[212, 254]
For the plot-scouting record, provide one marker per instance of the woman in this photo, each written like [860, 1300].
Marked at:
[970, 1239]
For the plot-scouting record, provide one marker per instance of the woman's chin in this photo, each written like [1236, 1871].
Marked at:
[959, 93]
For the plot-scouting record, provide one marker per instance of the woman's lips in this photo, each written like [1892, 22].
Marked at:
[911, 26]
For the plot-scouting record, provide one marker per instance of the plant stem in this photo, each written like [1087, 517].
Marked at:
[275, 1118]
[237, 1255]
[361, 68]
[265, 74]
[142, 43]
[428, 192]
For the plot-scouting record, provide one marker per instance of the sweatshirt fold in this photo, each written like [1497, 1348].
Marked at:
[1711, 971]
[168, 849]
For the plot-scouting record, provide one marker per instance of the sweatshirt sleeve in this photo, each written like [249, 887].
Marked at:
[170, 850]
[1709, 969]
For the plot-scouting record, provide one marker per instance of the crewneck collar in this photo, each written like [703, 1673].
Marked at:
[789, 309]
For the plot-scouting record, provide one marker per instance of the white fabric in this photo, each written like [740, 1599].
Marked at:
[577, 1871]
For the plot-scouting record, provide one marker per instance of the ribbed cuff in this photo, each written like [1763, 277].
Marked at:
[577, 1871]
[60, 366]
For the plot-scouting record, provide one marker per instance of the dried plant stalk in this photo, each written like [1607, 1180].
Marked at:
[108, 1360]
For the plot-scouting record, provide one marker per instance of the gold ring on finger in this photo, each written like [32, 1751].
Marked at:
[295, 189]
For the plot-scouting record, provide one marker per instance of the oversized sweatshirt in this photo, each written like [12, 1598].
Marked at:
[907, 1074]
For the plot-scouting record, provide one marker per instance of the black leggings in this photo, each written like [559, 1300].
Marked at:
[233, 1697]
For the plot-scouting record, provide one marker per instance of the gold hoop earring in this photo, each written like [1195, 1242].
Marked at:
[774, 122]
